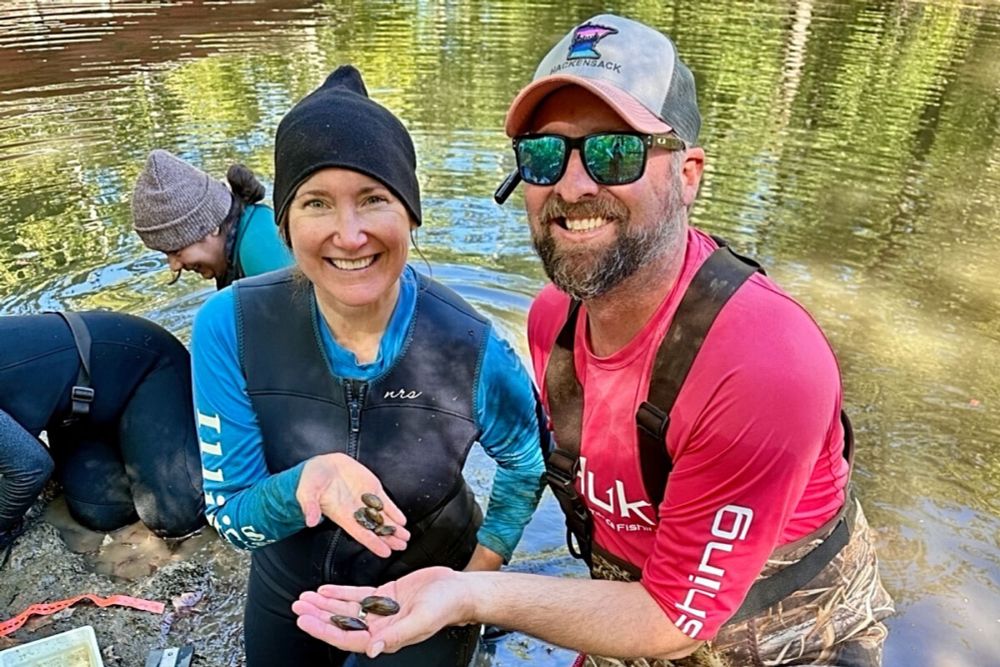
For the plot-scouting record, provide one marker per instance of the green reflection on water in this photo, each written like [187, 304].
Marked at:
[853, 147]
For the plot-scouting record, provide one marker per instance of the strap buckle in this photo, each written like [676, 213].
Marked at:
[81, 397]
[561, 470]
[573, 545]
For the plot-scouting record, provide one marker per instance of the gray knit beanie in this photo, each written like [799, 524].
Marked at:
[175, 204]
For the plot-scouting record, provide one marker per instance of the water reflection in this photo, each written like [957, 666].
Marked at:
[853, 147]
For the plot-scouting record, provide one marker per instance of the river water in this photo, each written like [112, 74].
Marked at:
[853, 147]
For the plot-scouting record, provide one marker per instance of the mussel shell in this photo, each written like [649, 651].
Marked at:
[372, 501]
[385, 530]
[374, 515]
[380, 605]
[348, 622]
[361, 516]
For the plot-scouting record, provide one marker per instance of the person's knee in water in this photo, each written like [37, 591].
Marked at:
[127, 448]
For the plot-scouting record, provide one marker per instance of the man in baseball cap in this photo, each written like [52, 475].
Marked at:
[702, 459]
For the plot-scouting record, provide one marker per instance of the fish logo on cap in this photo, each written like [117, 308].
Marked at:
[585, 38]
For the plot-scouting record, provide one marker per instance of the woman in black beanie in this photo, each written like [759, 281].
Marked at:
[352, 376]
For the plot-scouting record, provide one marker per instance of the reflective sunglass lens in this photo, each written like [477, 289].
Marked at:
[541, 159]
[614, 158]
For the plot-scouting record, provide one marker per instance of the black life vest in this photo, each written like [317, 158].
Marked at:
[721, 275]
[412, 427]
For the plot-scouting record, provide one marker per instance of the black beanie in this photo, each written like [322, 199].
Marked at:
[338, 125]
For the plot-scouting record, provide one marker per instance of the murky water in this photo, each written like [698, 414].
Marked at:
[853, 147]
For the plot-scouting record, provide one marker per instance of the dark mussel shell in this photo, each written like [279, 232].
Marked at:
[385, 530]
[371, 500]
[380, 605]
[361, 516]
[348, 623]
[374, 515]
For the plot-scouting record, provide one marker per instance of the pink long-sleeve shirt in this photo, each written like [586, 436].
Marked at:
[755, 438]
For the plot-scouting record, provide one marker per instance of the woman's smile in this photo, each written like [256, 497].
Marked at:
[358, 264]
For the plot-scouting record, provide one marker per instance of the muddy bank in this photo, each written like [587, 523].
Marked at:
[201, 582]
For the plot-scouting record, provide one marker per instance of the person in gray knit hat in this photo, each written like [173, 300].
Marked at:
[352, 376]
[201, 224]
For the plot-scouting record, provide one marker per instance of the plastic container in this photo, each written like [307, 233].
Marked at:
[74, 648]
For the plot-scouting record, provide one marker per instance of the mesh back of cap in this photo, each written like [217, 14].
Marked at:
[680, 107]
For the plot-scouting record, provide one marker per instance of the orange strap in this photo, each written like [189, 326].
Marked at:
[46, 608]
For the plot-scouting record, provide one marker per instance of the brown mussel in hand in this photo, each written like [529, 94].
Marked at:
[374, 515]
[348, 623]
[361, 516]
[373, 501]
[379, 605]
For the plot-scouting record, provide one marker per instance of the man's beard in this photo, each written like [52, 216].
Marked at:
[586, 273]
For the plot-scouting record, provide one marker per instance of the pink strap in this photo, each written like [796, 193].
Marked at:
[46, 608]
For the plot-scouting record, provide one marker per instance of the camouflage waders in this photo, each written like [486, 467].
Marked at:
[835, 620]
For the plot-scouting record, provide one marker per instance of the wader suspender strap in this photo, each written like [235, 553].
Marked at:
[715, 282]
[565, 398]
[82, 394]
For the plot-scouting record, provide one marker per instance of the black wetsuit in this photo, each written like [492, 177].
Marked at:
[304, 411]
[135, 453]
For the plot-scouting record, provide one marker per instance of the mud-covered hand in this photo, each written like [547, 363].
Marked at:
[429, 599]
[332, 485]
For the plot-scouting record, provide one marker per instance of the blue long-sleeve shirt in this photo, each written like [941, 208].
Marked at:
[250, 507]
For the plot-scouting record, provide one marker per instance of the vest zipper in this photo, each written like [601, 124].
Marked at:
[354, 394]
[355, 399]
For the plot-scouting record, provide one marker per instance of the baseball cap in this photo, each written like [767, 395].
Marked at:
[635, 69]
